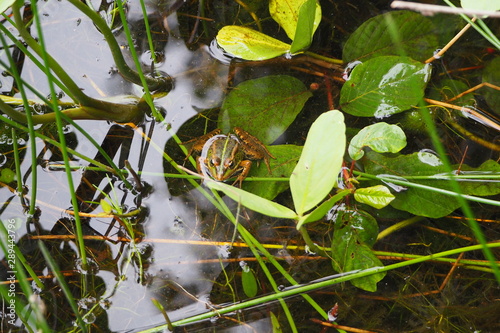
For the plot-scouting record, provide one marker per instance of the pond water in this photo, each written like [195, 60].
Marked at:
[182, 252]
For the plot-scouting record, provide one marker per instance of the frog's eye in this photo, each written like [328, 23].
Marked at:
[228, 163]
[215, 161]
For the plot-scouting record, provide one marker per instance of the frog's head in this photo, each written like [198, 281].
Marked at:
[223, 157]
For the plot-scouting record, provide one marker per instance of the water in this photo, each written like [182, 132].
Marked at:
[183, 252]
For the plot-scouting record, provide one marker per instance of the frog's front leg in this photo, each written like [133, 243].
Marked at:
[245, 169]
[196, 144]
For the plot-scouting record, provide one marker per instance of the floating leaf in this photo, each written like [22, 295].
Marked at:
[492, 5]
[264, 107]
[424, 202]
[252, 201]
[287, 157]
[106, 206]
[384, 86]
[491, 74]
[249, 44]
[5, 4]
[248, 280]
[354, 233]
[305, 26]
[374, 38]
[377, 196]
[380, 137]
[7, 175]
[286, 13]
[318, 167]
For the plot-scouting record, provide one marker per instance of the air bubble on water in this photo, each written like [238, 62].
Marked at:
[89, 318]
[219, 53]
[36, 289]
[348, 69]
[87, 303]
[428, 156]
[105, 304]
[92, 266]
[67, 129]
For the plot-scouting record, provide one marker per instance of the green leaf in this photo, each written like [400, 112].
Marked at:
[323, 209]
[318, 167]
[374, 38]
[276, 327]
[5, 4]
[249, 44]
[424, 202]
[7, 175]
[264, 107]
[287, 157]
[248, 280]
[305, 26]
[492, 5]
[286, 13]
[491, 74]
[252, 201]
[380, 137]
[354, 233]
[377, 196]
[383, 86]
[106, 206]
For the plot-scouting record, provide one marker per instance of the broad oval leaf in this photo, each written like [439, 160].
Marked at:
[383, 86]
[252, 201]
[305, 27]
[106, 206]
[7, 175]
[492, 5]
[248, 280]
[375, 37]
[491, 74]
[380, 137]
[377, 196]
[354, 234]
[264, 107]
[286, 13]
[249, 44]
[320, 162]
[5, 4]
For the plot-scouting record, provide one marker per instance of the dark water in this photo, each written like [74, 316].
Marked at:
[175, 258]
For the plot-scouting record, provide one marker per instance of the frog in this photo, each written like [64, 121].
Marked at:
[223, 156]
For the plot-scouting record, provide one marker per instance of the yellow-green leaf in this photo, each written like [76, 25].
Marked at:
[286, 13]
[320, 162]
[376, 196]
[249, 44]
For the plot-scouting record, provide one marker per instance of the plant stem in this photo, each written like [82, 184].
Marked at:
[98, 109]
[162, 83]
[333, 280]
[62, 138]
[312, 246]
[398, 226]
[327, 59]
[76, 92]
